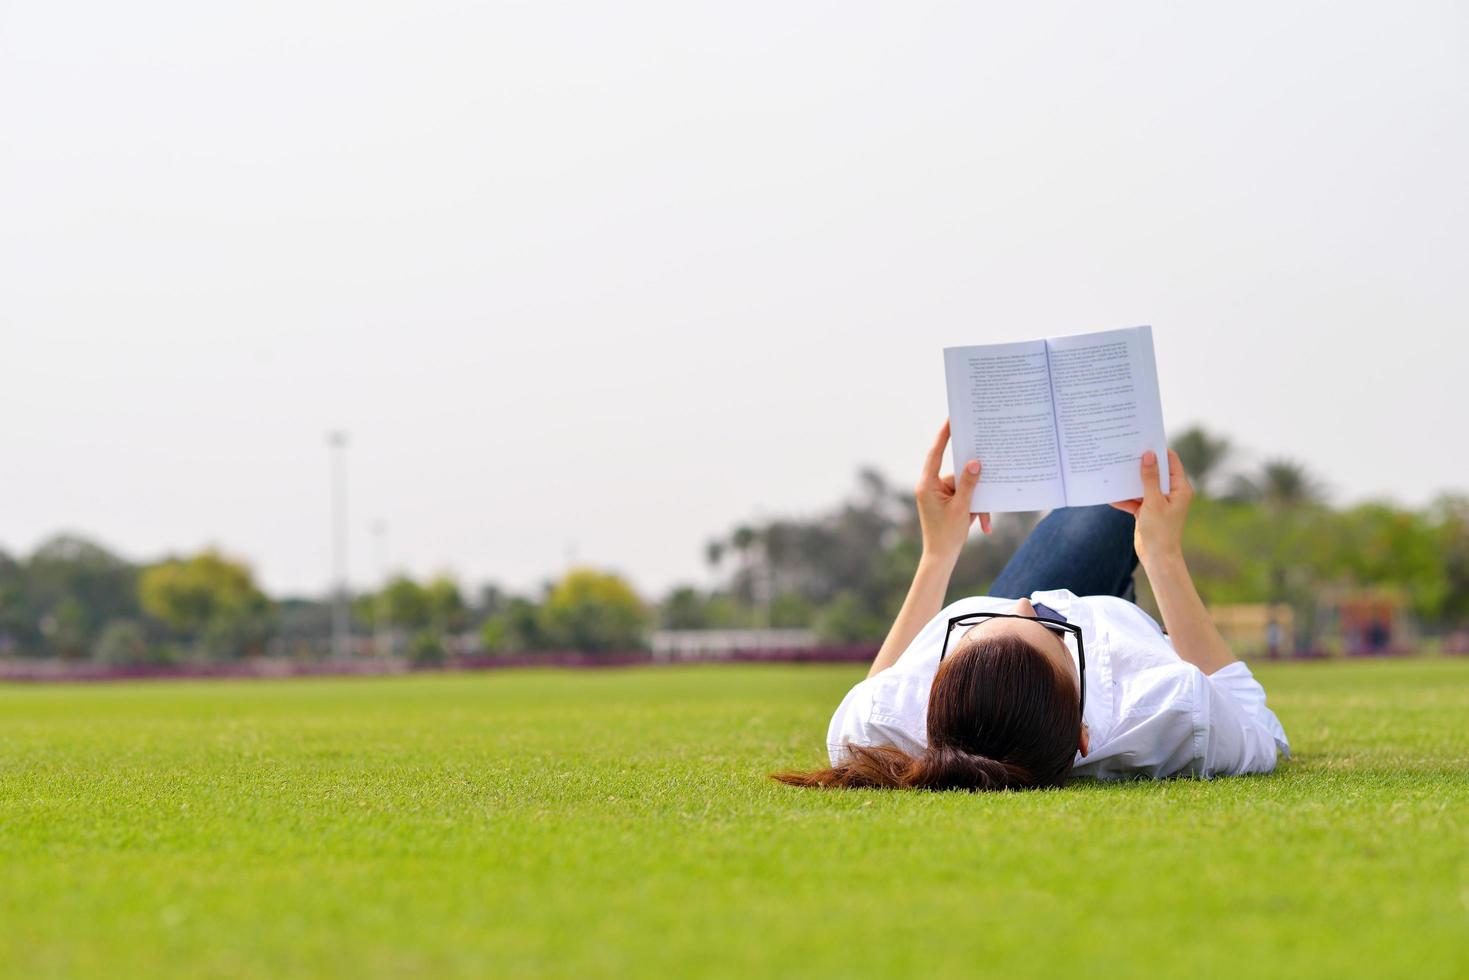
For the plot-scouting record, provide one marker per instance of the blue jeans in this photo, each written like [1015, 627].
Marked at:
[1085, 549]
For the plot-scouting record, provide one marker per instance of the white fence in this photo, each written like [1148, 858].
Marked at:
[693, 644]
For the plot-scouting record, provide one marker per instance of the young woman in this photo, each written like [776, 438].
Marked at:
[1058, 672]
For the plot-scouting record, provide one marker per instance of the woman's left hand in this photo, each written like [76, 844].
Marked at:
[943, 502]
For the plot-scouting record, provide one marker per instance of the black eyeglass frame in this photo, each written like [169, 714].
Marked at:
[1054, 625]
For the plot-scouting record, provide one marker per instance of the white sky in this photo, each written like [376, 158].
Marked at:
[608, 278]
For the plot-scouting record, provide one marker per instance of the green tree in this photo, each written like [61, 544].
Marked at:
[790, 610]
[1293, 501]
[303, 627]
[404, 603]
[1280, 484]
[446, 606]
[212, 599]
[846, 619]
[595, 612]
[1202, 456]
[426, 649]
[745, 540]
[66, 590]
[66, 629]
[17, 618]
[1382, 545]
[517, 628]
[491, 600]
[1229, 545]
[122, 642]
[1450, 516]
[685, 608]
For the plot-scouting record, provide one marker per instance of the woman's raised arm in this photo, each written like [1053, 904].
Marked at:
[943, 514]
[1158, 541]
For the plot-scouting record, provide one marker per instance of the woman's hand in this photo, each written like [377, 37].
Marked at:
[1160, 518]
[943, 513]
[943, 503]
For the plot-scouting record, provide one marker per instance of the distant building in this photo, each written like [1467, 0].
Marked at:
[1254, 629]
[715, 644]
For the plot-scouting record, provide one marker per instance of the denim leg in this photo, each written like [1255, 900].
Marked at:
[1085, 549]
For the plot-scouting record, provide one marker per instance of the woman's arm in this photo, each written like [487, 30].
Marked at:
[943, 514]
[925, 599]
[1158, 541]
[1195, 637]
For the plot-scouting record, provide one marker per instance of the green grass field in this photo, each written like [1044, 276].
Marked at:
[620, 822]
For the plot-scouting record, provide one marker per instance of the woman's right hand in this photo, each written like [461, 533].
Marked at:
[1160, 517]
[943, 503]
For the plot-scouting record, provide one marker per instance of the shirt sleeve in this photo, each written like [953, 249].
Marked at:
[888, 709]
[1243, 735]
[849, 723]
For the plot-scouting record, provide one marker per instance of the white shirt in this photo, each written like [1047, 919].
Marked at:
[1148, 712]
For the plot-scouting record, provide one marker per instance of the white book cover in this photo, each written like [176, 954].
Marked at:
[1059, 422]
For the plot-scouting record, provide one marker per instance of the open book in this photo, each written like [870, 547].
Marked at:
[1060, 422]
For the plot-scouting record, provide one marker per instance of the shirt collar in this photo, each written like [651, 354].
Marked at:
[1058, 599]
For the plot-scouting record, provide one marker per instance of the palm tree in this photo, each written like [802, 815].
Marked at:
[1201, 454]
[1286, 489]
[1288, 484]
[743, 540]
[1281, 485]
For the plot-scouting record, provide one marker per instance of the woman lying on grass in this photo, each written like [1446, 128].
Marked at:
[995, 693]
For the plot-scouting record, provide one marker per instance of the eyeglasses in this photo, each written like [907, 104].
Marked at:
[1054, 625]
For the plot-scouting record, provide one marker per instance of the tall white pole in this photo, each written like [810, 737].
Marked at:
[383, 635]
[341, 613]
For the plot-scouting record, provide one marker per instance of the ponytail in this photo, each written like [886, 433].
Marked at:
[939, 767]
[947, 767]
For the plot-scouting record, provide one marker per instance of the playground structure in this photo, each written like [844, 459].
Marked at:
[1346, 621]
[1254, 629]
[1364, 622]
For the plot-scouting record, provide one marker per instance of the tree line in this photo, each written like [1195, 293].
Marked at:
[74, 599]
[1259, 532]
[1263, 532]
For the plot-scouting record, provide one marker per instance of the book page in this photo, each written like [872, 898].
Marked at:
[1108, 411]
[1000, 414]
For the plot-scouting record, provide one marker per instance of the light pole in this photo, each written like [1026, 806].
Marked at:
[381, 628]
[341, 614]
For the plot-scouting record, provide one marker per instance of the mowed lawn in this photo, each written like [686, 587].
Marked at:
[547, 823]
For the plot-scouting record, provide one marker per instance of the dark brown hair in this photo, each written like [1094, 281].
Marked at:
[1000, 716]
